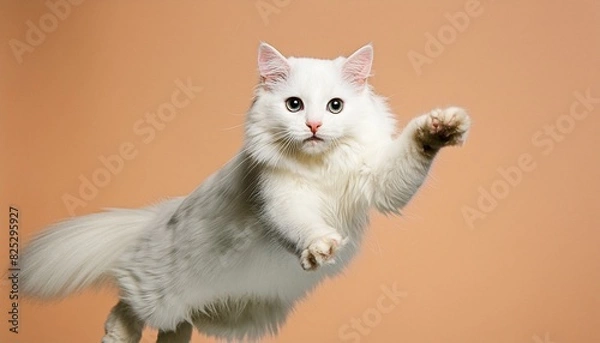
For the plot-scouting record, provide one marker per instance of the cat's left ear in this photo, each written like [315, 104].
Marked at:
[357, 67]
[272, 65]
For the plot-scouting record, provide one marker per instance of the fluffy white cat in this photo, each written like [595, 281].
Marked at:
[289, 210]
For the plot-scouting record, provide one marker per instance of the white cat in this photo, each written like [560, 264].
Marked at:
[289, 210]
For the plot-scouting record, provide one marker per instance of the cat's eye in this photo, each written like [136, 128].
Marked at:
[294, 104]
[335, 105]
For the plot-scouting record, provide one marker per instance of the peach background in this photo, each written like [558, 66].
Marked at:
[528, 272]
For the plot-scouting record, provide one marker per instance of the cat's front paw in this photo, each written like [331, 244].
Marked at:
[442, 127]
[321, 251]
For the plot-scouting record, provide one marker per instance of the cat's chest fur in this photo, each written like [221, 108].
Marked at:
[340, 194]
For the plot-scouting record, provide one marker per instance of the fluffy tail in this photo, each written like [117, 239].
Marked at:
[74, 254]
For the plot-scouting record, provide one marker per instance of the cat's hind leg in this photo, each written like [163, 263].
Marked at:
[122, 326]
[183, 334]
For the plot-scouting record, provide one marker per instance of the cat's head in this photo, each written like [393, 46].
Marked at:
[308, 107]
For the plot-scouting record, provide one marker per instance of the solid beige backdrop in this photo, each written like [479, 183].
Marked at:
[500, 245]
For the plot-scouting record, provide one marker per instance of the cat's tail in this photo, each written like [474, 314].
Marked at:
[76, 253]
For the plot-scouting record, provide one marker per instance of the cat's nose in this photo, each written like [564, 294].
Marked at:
[313, 126]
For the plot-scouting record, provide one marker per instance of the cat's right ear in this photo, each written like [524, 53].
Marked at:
[272, 65]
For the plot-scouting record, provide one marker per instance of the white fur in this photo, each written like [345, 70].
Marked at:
[75, 253]
[231, 257]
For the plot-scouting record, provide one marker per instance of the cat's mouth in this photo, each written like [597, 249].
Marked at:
[314, 139]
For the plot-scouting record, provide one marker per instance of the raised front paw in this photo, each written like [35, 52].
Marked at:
[442, 127]
[320, 251]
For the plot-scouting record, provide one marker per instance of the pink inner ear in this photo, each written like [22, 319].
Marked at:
[357, 68]
[272, 65]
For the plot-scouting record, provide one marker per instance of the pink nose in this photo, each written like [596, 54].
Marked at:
[314, 126]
